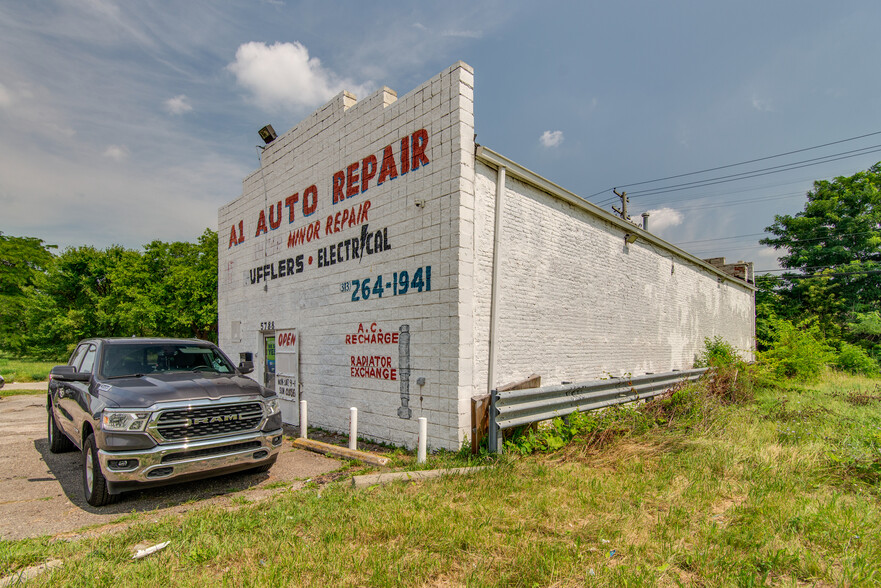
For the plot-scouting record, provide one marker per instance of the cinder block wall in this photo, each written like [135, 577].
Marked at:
[332, 297]
[577, 303]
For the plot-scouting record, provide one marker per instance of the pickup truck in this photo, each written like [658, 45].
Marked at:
[149, 412]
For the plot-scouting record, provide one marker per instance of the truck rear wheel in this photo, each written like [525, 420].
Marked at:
[94, 483]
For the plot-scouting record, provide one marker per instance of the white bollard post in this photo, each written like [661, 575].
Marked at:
[423, 440]
[303, 420]
[353, 428]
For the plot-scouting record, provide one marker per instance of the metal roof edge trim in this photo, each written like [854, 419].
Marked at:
[496, 160]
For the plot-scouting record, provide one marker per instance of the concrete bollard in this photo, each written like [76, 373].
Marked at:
[423, 440]
[303, 420]
[353, 428]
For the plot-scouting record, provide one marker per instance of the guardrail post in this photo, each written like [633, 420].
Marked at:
[493, 437]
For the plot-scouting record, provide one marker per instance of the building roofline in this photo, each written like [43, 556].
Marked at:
[496, 160]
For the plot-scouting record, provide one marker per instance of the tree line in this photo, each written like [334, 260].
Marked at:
[824, 307]
[50, 301]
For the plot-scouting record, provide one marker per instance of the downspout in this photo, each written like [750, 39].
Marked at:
[494, 300]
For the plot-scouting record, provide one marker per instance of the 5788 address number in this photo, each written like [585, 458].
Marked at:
[398, 283]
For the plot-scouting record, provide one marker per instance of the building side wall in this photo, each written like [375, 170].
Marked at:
[577, 303]
[302, 273]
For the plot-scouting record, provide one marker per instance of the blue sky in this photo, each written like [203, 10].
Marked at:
[124, 122]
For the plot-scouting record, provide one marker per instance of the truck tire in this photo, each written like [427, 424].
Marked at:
[58, 441]
[94, 483]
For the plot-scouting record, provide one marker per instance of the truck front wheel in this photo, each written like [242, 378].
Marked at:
[94, 483]
[58, 442]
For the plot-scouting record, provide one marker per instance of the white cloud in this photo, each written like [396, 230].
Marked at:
[116, 152]
[284, 76]
[178, 105]
[551, 138]
[5, 97]
[467, 34]
[761, 105]
[664, 218]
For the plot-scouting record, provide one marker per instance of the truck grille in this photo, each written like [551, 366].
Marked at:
[194, 423]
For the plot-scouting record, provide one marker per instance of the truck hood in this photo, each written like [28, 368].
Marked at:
[147, 390]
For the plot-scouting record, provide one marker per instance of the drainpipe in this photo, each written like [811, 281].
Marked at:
[494, 301]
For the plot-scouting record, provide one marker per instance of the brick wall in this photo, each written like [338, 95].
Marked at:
[324, 232]
[577, 303]
[287, 226]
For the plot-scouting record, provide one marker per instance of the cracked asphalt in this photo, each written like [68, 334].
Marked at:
[41, 493]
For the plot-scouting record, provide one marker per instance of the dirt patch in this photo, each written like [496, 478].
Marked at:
[43, 495]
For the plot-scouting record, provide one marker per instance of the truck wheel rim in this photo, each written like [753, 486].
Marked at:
[89, 474]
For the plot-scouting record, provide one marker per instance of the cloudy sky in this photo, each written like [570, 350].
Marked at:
[124, 122]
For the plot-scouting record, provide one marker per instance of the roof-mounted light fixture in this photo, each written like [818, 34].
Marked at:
[630, 238]
[268, 135]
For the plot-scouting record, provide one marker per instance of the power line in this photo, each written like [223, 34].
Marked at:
[755, 173]
[782, 167]
[835, 275]
[730, 165]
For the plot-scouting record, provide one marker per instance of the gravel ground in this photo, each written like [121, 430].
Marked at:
[41, 492]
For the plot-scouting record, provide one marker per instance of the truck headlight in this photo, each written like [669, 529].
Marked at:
[272, 407]
[113, 420]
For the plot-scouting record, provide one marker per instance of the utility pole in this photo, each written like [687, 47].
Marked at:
[622, 212]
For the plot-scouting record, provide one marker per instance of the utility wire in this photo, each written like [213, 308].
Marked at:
[781, 167]
[753, 173]
[746, 162]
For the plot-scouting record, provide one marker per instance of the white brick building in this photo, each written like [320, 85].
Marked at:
[358, 267]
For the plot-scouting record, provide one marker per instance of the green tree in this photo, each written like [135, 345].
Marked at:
[168, 290]
[22, 261]
[838, 235]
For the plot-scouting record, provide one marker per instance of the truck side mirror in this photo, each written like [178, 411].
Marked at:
[68, 373]
[246, 362]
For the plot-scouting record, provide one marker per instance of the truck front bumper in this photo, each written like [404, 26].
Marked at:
[180, 462]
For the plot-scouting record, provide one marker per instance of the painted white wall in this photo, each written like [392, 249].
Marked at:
[418, 211]
[577, 303]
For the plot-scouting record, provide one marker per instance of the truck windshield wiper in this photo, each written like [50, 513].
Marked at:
[124, 376]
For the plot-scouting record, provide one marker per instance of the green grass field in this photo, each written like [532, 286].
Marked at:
[24, 370]
[783, 490]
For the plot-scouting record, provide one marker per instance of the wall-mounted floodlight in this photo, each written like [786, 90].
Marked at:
[630, 238]
[268, 135]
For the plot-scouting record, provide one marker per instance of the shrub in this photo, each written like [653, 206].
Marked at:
[798, 351]
[717, 352]
[855, 360]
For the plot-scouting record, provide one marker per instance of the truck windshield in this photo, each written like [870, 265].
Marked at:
[138, 359]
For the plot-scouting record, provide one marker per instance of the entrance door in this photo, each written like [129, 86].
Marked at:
[269, 360]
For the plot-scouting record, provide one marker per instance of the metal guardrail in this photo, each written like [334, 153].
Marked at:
[522, 407]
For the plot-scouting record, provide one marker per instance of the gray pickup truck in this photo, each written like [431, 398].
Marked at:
[149, 412]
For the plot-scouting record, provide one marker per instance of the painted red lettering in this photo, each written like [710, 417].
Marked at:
[368, 170]
[339, 180]
[405, 155]
[289, 202]
[388, 171]
[352, 180]
[310, 200]
[275, 216]
[261, 224]
[420, 142]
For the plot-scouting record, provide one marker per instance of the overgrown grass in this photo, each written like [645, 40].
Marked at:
[26, 370]
[697, 489]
